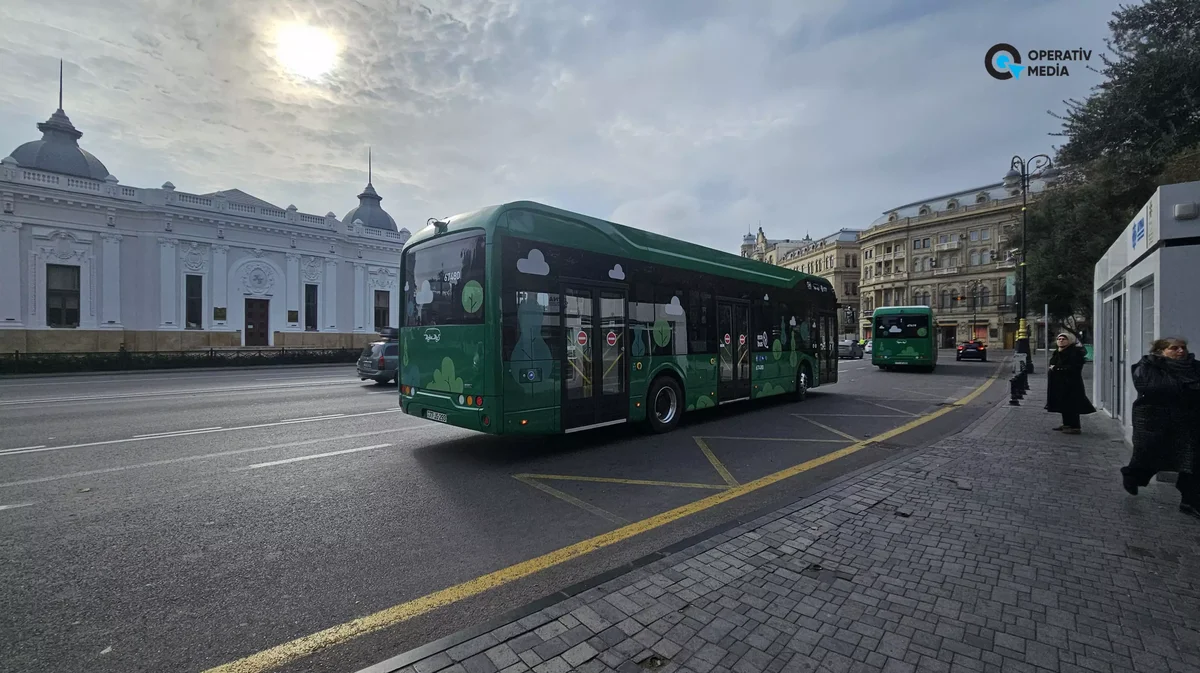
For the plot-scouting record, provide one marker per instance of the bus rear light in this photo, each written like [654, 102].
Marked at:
[381, 362]
[479, 401]
[486, 421]
[524, 421]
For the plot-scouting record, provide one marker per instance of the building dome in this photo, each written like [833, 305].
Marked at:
[370, 212]
[59, 152]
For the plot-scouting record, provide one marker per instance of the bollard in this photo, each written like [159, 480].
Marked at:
[1012, 392]
[1025, 380]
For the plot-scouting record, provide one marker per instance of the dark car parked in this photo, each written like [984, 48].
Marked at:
[380, 360]
[973, 350]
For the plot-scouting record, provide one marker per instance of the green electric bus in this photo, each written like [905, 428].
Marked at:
[904, 336]
[524, 318]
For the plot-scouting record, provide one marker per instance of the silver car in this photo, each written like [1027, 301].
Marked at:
[849, 348]
[380, 360]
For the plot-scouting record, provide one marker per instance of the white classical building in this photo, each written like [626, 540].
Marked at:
[88, 264]
[1145, 289]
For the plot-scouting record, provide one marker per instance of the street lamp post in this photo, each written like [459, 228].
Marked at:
[1019, 175]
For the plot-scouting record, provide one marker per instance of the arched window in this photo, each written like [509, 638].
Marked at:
[981, 198]
[985, 295]
[985, 256]
[923, 211]
[927, 299]
[892, 217]
[945, 299]
[974, 258]
[954, 299]
[952, 204]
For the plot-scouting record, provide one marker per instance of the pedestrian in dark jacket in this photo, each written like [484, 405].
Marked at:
[1064, 389]
[1166, 421]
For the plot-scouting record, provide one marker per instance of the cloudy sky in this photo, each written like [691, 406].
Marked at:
[694, 118]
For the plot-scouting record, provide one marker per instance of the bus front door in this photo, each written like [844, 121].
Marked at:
[595, 386]
[733, 335]
[827, 347]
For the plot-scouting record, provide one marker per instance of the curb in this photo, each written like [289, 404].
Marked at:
[699, 542]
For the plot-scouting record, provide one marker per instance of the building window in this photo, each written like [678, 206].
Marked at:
[943, 238]
[985, 296]
[974, 234]
[62, 295]
[923, 211]
[383, 309]
[974, 258]
[986, 235]
[310, 307]
[982, 198]
[193, 301]
[925, 243]
[945, 299]
[985, 256]
[916, 244]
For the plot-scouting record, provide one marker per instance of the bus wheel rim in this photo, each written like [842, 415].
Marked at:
[672, 402]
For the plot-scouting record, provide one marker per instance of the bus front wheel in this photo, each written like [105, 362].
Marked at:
[803, 381]
[666, 404]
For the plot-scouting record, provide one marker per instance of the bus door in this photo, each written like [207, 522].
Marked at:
[827, 346]
[594, 380]
[733, 345]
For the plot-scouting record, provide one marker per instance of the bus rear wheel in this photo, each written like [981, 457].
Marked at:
[665, 404]
[803, 381]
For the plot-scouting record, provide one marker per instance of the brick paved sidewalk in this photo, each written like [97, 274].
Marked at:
[1007, 547]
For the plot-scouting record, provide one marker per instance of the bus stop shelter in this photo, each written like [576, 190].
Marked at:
[1147, 286]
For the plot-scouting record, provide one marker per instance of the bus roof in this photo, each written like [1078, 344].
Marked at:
[625, 241]
[904, 309]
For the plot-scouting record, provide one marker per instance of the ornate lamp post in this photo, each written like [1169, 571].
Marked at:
[1019, 176]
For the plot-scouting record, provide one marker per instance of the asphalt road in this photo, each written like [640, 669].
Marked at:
[179, 521]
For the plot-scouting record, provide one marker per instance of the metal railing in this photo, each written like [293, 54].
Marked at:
[58, 363]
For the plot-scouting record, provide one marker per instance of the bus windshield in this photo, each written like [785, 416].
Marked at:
[901, 327]
[444, 281]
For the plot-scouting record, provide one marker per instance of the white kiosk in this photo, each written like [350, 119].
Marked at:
[1147, 286]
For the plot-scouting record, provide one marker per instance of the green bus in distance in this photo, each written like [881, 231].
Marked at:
[904, 336]
[524, 318]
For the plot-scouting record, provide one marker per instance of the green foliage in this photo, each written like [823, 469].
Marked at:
[1139, 129]
[444, 379]
[472, 296]
[661, 333]
[639, 341]
[794, 359]
[769, 388]
[777, 349]
[704, 402]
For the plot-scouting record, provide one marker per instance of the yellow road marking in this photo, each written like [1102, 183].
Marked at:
[827, 428]
[616, 480]
[299, 648]
[712, 458]
[566, 497]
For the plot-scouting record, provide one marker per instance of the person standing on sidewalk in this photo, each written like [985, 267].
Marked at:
[1166, 421]
[1064, 388]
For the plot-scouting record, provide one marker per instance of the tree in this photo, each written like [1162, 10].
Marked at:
[1139, 129]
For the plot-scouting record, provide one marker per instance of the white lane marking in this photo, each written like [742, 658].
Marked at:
[862, 368]
[18, 452]
[24, 504]
[905, 415]
[310, 372]
[884, 406]
[313, 418]
[168, 433]
[171, 393]
[386, 392]
[219, 454]
[313, 456]
[26, 448]
[917, 392]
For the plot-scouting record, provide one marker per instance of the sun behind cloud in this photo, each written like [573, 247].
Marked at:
[306, 51]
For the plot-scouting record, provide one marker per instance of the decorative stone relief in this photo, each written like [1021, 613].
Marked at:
[258, 278]
[257, 252]
[63, 247]
[383, 278]
[194, 256]
[312, 267]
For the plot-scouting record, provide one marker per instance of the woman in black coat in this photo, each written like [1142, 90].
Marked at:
[1166, 421]
[1064, 389]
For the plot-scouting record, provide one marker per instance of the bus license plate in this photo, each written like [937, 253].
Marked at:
[900, 363]
[435, 416]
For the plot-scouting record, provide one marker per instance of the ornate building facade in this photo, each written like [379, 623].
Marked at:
[952, 252]
[834, 257]
[89, 265]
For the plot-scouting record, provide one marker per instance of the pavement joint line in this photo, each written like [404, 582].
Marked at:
[207, 456]
[314, 456]
[572, 500]
[619, 480]
[299, 648]
[716, 463]
[106, 442]
[826, 427]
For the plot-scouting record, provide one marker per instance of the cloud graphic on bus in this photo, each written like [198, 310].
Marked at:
[674, 308]
[424, 295]
[617, 273]
[535, 264]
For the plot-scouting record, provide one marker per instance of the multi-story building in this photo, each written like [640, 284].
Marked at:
[834, 257]
[952, 252]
